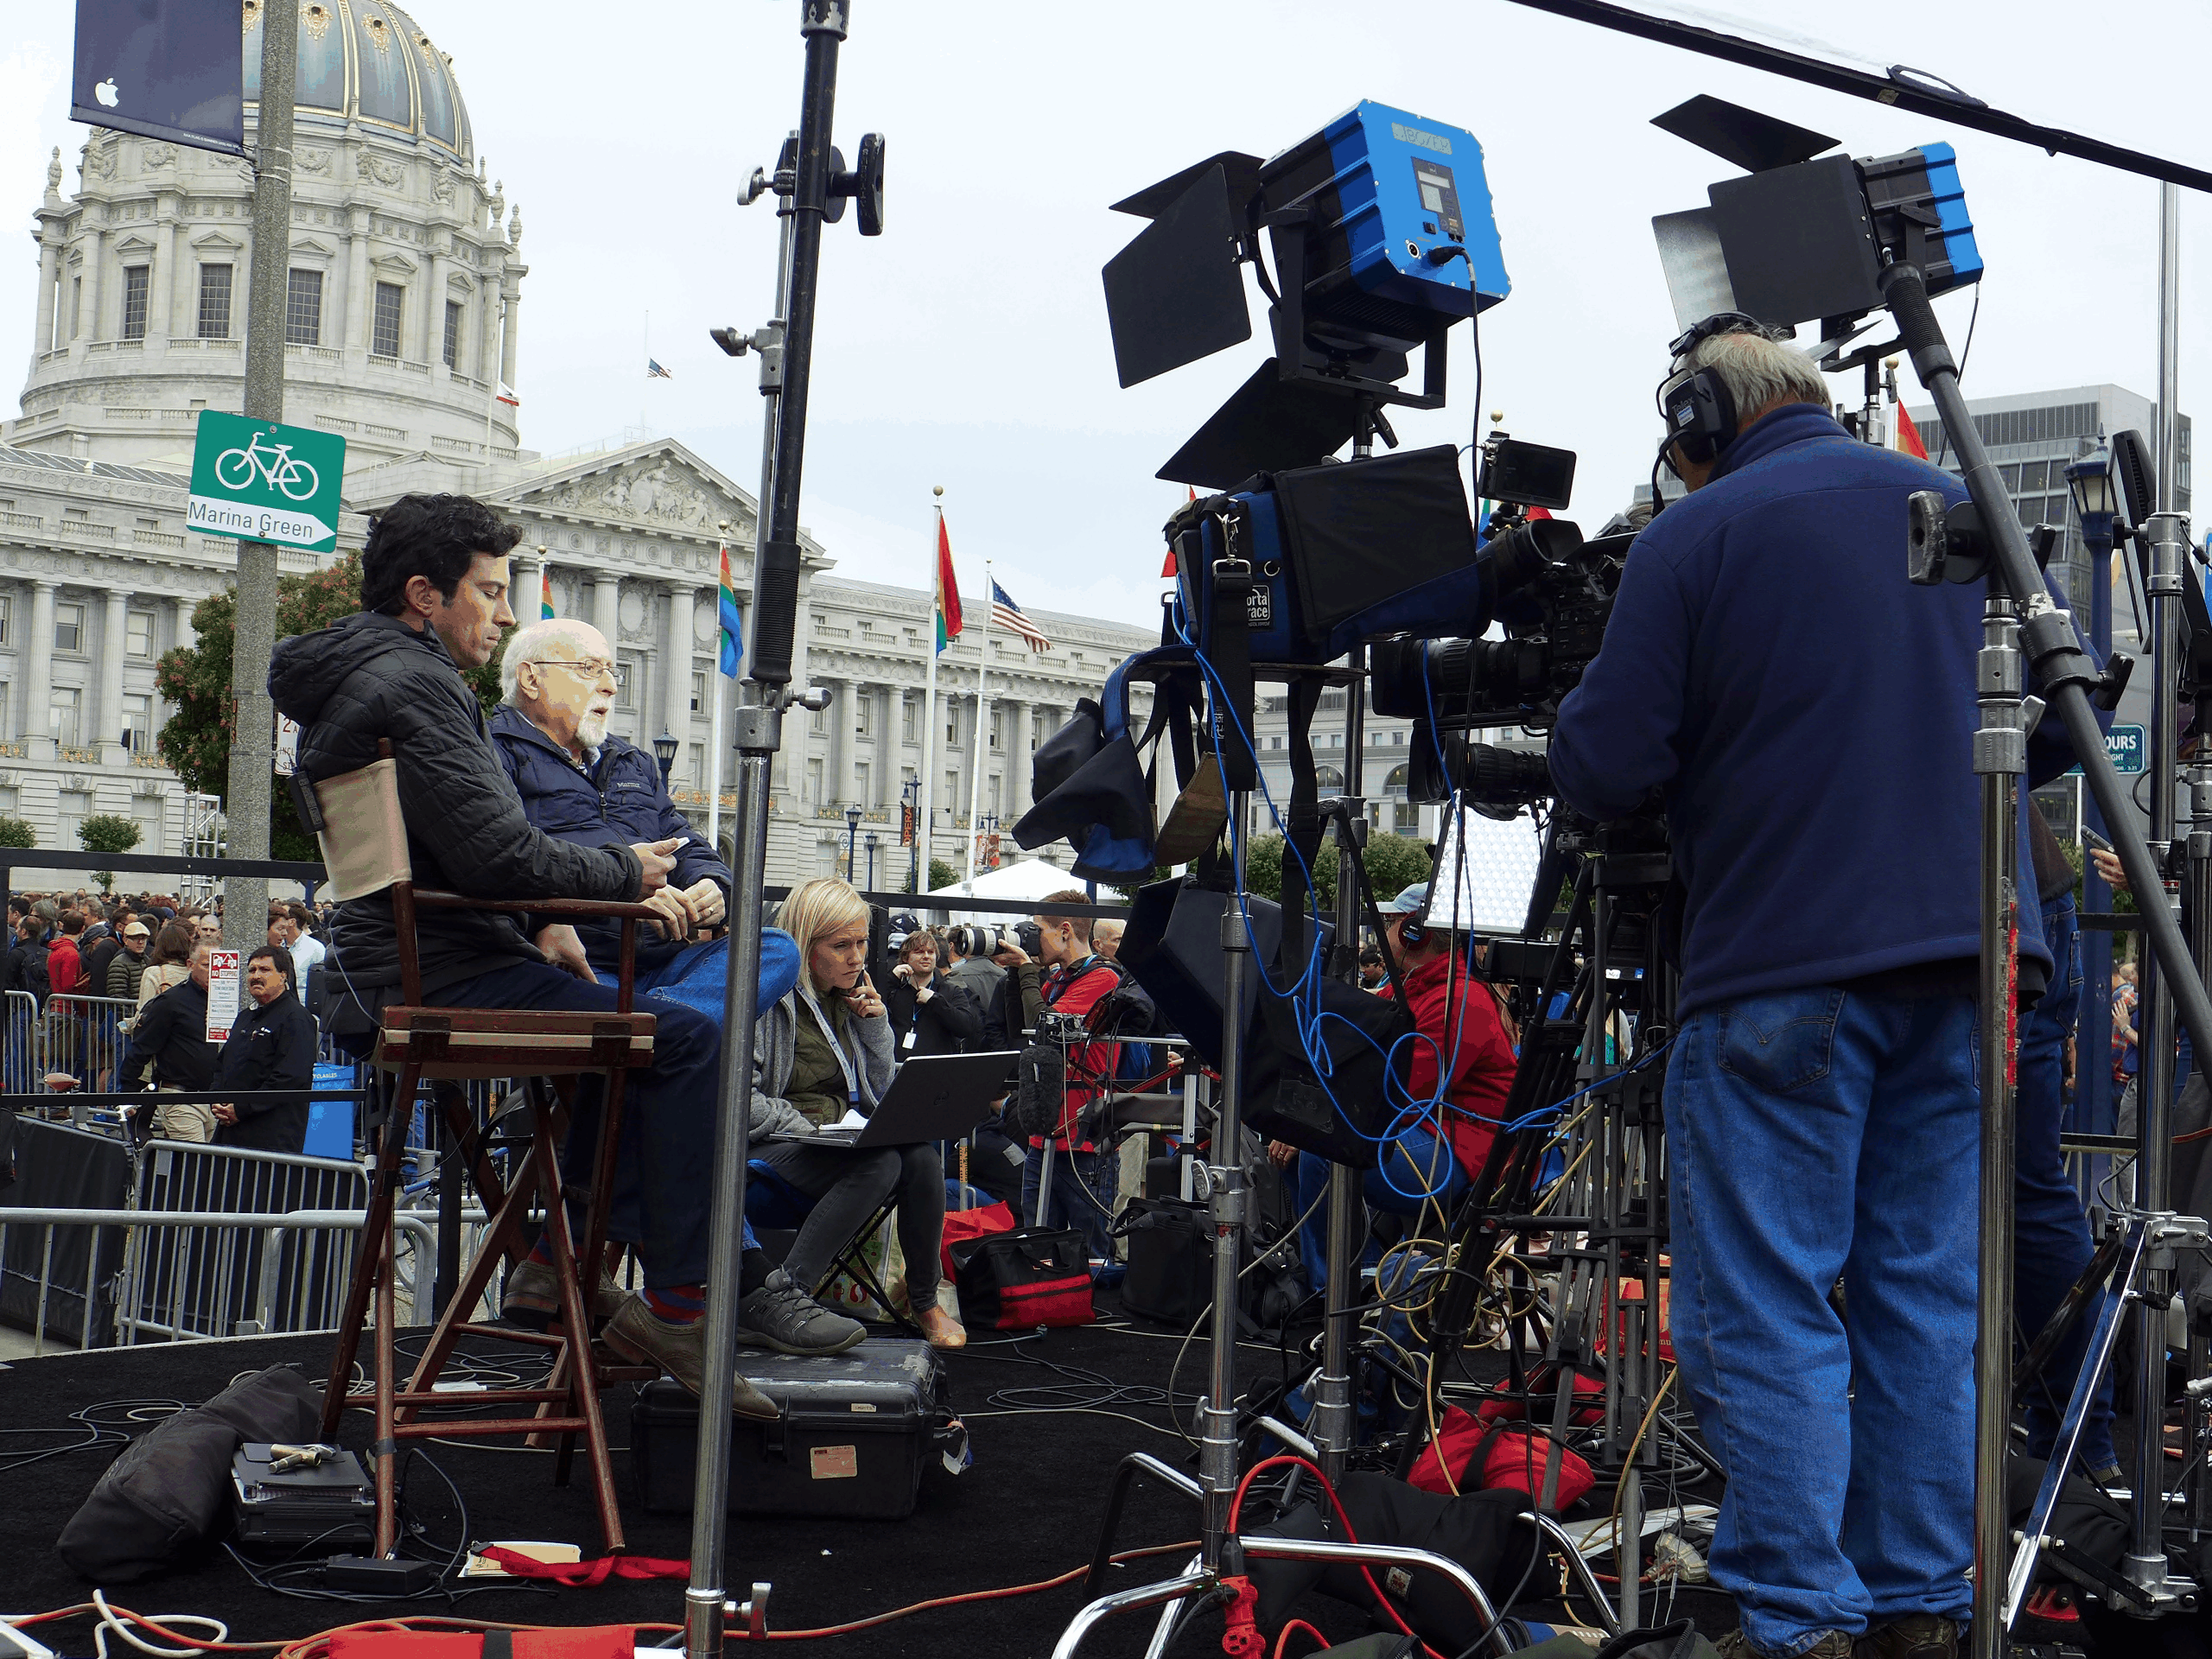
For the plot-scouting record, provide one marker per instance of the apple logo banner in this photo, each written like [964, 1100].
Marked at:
[107, 93]
[162, 69]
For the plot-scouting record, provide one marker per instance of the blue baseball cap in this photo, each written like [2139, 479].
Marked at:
[1411, 902]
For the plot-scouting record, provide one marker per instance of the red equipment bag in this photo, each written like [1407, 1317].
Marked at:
[961, 1224]
[1487, 1455]
[1019, 1280]
[1543, 1386]
[588, 1642]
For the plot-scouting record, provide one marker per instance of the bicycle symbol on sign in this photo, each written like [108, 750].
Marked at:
[235, 469]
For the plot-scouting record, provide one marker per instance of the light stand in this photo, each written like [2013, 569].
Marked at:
[2066, 674]
[2089, 482]
[816, 189]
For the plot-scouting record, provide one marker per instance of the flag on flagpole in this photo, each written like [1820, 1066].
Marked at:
[1005, 614]
[1908, 435]
[654, 372]
[506, 395]
[545, 595]
[948, 589]
[732, 620]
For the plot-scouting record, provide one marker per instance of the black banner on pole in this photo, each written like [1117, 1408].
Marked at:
[171, 69]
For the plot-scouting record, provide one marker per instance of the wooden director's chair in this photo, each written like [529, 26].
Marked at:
[365, 848]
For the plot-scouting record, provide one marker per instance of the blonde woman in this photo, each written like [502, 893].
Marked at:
[827, 1048]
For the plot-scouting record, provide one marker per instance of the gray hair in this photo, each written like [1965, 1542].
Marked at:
[529, 645]
[1758, 371]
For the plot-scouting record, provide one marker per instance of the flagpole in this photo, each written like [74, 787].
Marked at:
[928, 802]
[979, 749]
[714, 719]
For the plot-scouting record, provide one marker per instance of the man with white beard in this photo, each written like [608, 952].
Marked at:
[559, 681]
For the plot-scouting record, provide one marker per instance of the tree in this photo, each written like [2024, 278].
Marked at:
[15, 832]
[942, 875]
[196, 741]
[107, 832]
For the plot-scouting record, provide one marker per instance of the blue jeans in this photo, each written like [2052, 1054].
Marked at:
[2050, 1234]
[662, 1196]
[1813, 1132]
[1083, 1183]
[1419, 1165]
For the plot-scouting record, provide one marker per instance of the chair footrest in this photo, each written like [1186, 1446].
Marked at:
[523, 1041]
[479, 1428]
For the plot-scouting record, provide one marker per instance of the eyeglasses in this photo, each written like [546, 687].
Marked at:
[592, 668]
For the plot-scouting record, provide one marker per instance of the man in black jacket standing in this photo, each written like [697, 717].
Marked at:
[171, 1034]
[271, 1046]
[434, 602]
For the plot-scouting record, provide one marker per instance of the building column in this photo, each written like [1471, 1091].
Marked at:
[49, 273]
[161, 282]
[606, 609]
[842, 712]
[675, 701]
[647, 705]
[1017, 759]
[487, 329]
[524, 585]
[508, 324]
[434, 309]
[187, 635]
[35, 654]
[107, 726]
[93, 322]
[361, 302]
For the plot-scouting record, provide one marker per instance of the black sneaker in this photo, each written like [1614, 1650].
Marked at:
[780, 1315]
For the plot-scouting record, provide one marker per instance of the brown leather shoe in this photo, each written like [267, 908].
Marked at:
[640, 1338]
[1917, 1635]
[940, 1327]
[530, 1289]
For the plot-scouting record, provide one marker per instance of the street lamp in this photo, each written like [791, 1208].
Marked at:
[664, 752]
[2096, 503]
[852, 840]
[871, 860]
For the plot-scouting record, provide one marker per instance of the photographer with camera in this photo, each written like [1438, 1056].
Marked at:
[1069, 978]
[1799, 706]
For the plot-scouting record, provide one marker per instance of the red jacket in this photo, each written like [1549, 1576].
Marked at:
[1075, 992]
[63, 965]
[1475, 1047]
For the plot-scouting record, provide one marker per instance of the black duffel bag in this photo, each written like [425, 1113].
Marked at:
[169, 1489]
[1016, 1281]
[1170, 1275]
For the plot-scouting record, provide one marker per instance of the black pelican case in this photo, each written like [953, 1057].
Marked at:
[856, 1433]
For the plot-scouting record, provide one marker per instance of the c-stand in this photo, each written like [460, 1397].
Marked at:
[811, 187]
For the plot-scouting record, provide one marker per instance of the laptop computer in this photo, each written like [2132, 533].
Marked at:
[933, 1097]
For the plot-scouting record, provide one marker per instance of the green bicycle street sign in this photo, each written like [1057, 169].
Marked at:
[262, 482]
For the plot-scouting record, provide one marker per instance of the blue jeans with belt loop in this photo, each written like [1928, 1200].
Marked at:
[1814, 1133]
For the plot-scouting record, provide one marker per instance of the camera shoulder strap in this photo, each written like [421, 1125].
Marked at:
[1302, 836]
[1228, 644]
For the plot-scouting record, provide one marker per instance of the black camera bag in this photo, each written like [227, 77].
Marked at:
[1171, 1259]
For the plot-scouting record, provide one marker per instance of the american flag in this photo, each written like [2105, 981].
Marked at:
[654, 372]
[1005, 614]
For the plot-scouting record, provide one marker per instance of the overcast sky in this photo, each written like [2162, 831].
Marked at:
[968, 345]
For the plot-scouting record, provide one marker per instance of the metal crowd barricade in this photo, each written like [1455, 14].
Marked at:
[22, 1040]
[84, 1037]
[301, 1260]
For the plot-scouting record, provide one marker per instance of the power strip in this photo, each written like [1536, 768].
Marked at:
[372, 1575]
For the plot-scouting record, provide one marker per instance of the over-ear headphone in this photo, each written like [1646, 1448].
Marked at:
[1411, 932]
[1695, 403]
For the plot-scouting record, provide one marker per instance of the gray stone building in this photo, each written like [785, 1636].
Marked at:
[403, 308]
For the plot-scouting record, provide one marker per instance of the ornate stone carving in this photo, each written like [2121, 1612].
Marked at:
[378, 170]
[315, 19]
[53, 173]
[316, 161]
[441, 192]
[158, 155]
[99, 159]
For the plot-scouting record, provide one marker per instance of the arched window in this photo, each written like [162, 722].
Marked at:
[1395, 784]
[1329, 778]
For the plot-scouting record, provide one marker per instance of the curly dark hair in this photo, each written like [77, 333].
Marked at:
[435, 537]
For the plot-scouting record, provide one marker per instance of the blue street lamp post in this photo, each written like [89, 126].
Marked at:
[852, 840]
[2090, 482]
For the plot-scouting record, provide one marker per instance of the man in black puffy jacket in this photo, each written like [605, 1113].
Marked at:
[434, 602]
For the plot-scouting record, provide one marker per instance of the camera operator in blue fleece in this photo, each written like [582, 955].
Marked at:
[1806, 716]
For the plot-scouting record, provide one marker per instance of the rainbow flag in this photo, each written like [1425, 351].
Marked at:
[732, 620]
[545, 595]
[948, 589]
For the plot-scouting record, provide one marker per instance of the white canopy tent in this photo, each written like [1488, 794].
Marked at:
[1030, 878]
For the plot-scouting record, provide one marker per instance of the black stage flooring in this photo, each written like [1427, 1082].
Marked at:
[1030, 1507]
